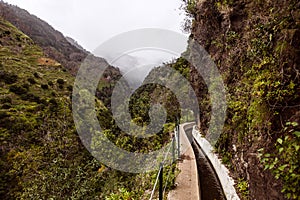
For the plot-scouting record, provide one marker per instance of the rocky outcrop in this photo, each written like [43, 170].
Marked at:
[255, 45]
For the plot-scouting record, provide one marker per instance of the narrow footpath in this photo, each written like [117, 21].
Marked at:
[187, 183]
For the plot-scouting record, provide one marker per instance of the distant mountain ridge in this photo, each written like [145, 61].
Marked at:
[63, 49]
[75, 43]
[54, 43]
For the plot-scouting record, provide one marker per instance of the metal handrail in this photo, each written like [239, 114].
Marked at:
[159, 177]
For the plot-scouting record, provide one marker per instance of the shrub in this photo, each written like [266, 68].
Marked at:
[53, 101]
[70, 88]
[17, 89]
[284, 162]
[190, 7]
[3, 114]
[30, 97]
[122, 194]
[36, 75]
[26, 86]
[243, 187]
[53, 105]
[44, 86]
[60, 81]
[8, 78]
[6, 106]
[6, 100]
[43, 102]
[6, 32]
[31, 81]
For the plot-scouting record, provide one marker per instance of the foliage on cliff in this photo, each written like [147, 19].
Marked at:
[255, 45]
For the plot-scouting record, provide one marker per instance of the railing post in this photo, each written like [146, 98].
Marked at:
[178, 138]
[173, 148]
[161, 182]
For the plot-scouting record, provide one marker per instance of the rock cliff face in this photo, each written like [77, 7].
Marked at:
[256, 46]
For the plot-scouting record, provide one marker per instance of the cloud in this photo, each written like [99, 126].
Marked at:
[92, 22]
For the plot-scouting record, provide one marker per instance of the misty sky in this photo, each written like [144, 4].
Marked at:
[92, 22]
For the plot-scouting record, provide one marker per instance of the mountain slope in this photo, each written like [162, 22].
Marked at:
[54, 44]
[41, 154]
[52, 41]
[65, 50]
[36, 128]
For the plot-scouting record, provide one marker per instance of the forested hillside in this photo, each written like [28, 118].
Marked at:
[41, 154]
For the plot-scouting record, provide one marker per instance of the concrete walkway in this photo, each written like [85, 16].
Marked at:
[187, 180]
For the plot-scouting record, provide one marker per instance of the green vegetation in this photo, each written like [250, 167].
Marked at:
[256, 48]
[284, 162]
[221, 4]
[190, 7]
[123, 195]
[243, 188]
[41, 154]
